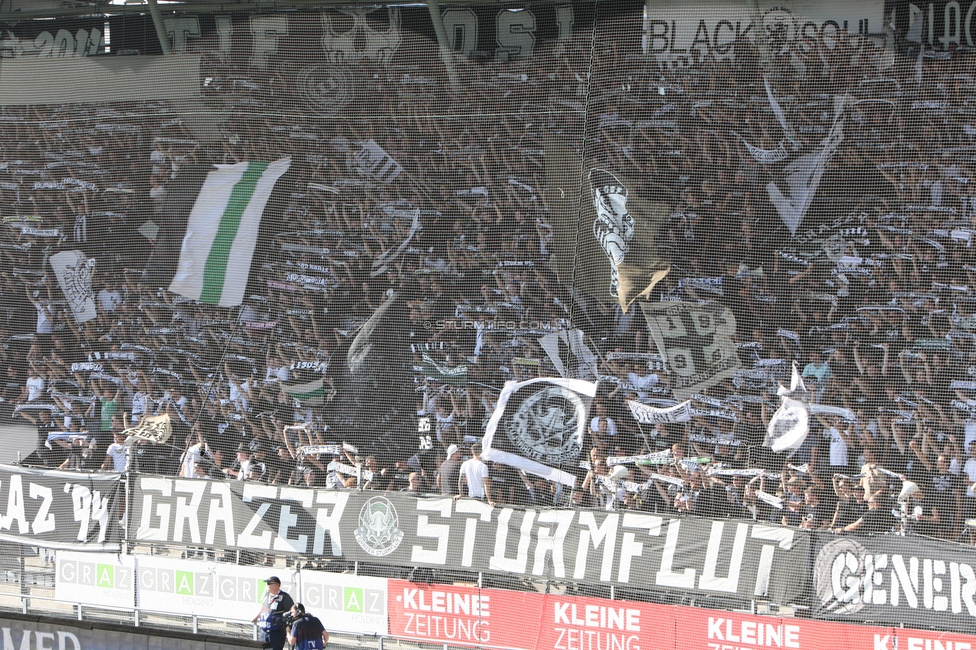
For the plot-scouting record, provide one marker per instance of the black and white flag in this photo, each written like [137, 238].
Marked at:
[539, 426]
[373, 162]
[696, 340]
[570, 346]
[794, 194]
[790, 424]
[74, 272]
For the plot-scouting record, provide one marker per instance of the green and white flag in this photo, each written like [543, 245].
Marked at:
[309, 393]
[222, 231]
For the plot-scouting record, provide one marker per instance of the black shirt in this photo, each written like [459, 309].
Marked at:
[306, 628]
[878, 520]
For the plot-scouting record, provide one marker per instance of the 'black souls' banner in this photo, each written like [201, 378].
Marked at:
[60, 509]
[731, 558]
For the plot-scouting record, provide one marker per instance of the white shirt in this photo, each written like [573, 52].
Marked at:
[642, 384]
[475, 472]
[44, 324]
[35, 387]
[970, 469]
[139, 403]
[120, 459]
[190, 459]
[838, 448]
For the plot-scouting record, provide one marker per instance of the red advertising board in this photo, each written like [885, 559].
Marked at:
[464, 615]
[525, 621]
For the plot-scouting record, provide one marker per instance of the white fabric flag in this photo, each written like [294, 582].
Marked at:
[803, 174]
[222, 231]
[790, 424]
[586, 360]
[650, 415]
[538, 426]
[74, 273]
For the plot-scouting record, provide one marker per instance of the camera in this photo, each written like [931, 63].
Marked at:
[288, 618]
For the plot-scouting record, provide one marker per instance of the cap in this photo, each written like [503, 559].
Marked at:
[273, 579]
[242, 447]
[618, 472]
[453, 449]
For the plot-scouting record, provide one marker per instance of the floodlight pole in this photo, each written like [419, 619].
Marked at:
[161, 32]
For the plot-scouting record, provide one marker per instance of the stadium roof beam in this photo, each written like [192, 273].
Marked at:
[205, 7]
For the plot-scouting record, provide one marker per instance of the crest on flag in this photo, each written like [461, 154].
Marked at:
[539, 426]
[154, 428]
[696, 341]
[605, 235]
[74, 273]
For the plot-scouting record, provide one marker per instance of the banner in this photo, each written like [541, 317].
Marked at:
[687, 32]
[437, 613]
[29, 633]
[696, 341]
[651, 415]
[492, 618]
[539, 426]
[74, 273]
[687, 554]
[55, 509]
[219, 590]
[892, 579]
[95, 579]
[345, 603]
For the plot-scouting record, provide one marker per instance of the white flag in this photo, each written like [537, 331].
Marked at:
[538, 426]
[789, 426]
[222, 231]
[803, 174]
[74, 273]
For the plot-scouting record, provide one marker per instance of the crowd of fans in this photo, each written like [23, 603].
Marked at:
[874, 296]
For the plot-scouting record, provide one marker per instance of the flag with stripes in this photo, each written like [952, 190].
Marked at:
[309, 392]
[222, 232]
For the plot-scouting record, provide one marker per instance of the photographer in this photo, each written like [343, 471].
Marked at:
[275, 604]
[307, 632]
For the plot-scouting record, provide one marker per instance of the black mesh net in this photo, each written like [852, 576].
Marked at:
[683, 262]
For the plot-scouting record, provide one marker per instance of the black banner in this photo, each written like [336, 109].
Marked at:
[33, 632]
[54, 509]
[891, 579]
[57, 39]
[732, 558]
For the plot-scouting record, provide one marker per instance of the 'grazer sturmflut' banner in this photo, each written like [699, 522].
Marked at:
[60, 509]
[893, 579]
[733, 558]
